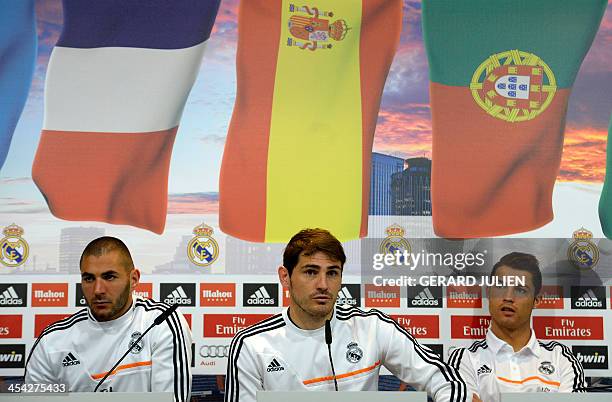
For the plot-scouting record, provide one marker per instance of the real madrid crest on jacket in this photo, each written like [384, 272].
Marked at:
[276, 355]
[501, 74]
[491, 366]
[78, 351]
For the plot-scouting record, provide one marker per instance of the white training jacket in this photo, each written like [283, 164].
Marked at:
[277, 355]
[78, 351]
[491, 366]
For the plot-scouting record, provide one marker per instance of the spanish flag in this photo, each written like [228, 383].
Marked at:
[116, 86]
[605, 201]
[501, 73]
[310, 77]
[17, 60]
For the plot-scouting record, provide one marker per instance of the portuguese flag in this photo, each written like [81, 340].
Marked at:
[310, 77]
[501, 74]
[116, 85]
[605, 202]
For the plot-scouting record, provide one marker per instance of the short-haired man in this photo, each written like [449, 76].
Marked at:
[510, 358]
[79, 350]
[288, 351]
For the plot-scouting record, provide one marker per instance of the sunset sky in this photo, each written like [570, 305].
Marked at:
[404, 124]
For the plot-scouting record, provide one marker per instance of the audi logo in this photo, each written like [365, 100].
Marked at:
[214, 351]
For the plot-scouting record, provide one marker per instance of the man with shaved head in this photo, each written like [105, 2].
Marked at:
[80, 350]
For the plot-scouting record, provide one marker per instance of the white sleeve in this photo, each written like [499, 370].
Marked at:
[572, 374]
[171, 358]
[243, 379]
[38, 370]
[460, 360]
[417, 365]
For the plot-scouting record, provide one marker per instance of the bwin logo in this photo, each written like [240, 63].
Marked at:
[425, 298]
[345, 297]
[178, 296]
[261, 296]
[274, 366]
[589, 299]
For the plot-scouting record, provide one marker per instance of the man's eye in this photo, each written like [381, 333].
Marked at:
[109, 277]
[332, 273]
[311, 272]
[87, 279]
[521, 290]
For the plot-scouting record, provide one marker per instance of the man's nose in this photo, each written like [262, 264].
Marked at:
[509, 293]
[99, 287]
[322, 281]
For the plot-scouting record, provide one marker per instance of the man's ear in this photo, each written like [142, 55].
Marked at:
[283, 277]
[134, 278]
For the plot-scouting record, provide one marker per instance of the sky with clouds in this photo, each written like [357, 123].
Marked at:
[404, 123]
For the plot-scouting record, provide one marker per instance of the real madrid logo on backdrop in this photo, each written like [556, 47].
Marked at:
[203, 250]
[395, 241]
[310, 31]
[513, 86]
[583, 253]
[14, 248]
[353, 352]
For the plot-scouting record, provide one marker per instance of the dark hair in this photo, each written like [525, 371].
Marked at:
[522, 262]
[310, 241]
[106, 244]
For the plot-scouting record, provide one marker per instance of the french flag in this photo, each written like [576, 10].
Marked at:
[116, 86]
[17, 60]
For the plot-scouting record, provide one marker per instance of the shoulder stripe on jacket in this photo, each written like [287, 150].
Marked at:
[60, 325]
[180, 360]
[182, 383]
[478, 344]
[455, 358]
[449, 372]
[232, 385]
[579, 380]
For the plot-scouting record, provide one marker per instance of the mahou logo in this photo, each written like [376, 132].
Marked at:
[464, 297]
[144, 290]
[42, 321]
[469, 327]
[382, 296]
[227, 325]
[420, 326]
[217, 294]
[560, 328]
[49, 295]
[10, 326]
[551, 298]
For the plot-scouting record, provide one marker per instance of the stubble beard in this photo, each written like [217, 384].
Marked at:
[116, 307]
[302, 304]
